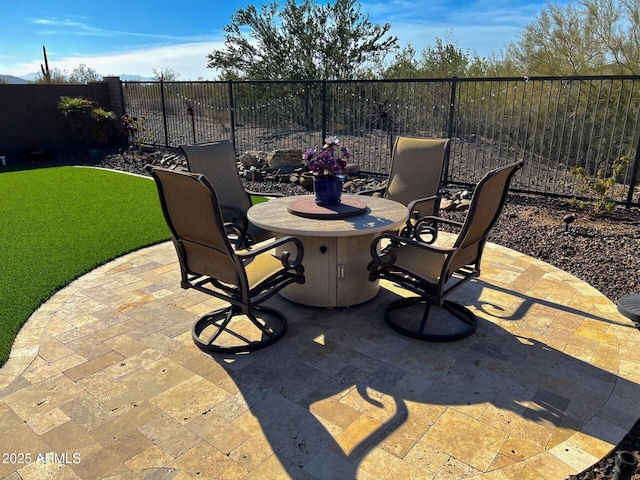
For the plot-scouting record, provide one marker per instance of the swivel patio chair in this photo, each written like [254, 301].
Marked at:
[209, 264]
[414, 179]
[217, 161]
[434, 272]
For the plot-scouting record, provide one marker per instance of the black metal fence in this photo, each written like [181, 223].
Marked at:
[555, 124]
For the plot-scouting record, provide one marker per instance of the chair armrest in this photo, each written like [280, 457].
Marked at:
[242, 239]
[286, 257]
[434, 219]
[428, 226]
[424, 206]
[237, 224]
[419, 208]
[238, 214]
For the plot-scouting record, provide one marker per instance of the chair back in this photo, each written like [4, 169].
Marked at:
[217, 161]
[416, 168]
[486, 204]
[191, 210]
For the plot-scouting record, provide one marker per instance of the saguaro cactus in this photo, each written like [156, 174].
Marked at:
[46, 74]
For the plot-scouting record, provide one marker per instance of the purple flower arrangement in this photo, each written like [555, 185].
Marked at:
[330, 162]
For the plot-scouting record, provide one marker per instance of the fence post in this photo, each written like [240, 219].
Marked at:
[164, 114]
[324, 109]
[232, 118]
[193, 120]
[634, 177]
[452, 108]
[116, 98]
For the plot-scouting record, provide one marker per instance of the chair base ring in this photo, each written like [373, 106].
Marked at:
[269, 324]
[416, 328]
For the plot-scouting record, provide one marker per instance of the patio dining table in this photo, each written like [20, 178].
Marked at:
[336, 242]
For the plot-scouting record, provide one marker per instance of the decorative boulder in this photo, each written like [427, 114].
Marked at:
[286, 160]
[252, 158]
[352, 170]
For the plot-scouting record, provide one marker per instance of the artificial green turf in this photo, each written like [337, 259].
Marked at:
[255, 199]
[59, 223]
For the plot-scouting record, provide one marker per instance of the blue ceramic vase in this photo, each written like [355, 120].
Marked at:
[328, 190]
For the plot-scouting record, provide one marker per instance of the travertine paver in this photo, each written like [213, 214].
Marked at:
[105, 382]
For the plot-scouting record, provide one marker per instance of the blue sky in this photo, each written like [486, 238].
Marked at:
[137, 36]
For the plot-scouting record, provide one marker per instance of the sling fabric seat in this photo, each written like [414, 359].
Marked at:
[434, 271]
[415, 177]
[217, 162]
[210, 264]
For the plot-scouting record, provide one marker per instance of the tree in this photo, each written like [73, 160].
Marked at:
[54, 75]
[165, 75]
[301, 41]
[404, 65]
[448, 60]
[618, 28]
[499, 65]
[584, 38]
[83, 74]
[444, 60]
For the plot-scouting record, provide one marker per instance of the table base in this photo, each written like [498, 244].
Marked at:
[335, 272]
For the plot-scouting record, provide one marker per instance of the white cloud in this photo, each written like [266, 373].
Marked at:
[66, 27]
[188, 60]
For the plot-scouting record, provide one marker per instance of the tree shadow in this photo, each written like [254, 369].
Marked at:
[342, 386]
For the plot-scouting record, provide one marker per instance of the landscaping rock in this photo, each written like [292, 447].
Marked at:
[279, 159]
[253, 158]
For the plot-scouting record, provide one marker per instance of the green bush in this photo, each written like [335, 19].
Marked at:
[600, 188]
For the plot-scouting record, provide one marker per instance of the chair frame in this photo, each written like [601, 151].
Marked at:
[383, 267]
[242, 298]
[231, 213]
[417, 206]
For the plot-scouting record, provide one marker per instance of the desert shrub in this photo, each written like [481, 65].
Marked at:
[599, 188]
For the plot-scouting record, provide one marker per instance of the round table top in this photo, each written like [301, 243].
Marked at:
[307, 206]
[381, 215]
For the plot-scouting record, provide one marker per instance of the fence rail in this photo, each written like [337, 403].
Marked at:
[554, 124]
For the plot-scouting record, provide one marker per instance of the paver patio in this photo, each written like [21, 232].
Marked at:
[105, 381]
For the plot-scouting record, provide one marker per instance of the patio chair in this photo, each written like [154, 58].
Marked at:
[434, 272]
[414, 179]
[209, 264]
[217, 161]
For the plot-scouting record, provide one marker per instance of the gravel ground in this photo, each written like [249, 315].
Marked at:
[601, 251]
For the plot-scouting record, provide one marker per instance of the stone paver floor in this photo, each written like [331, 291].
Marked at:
[104, 381]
